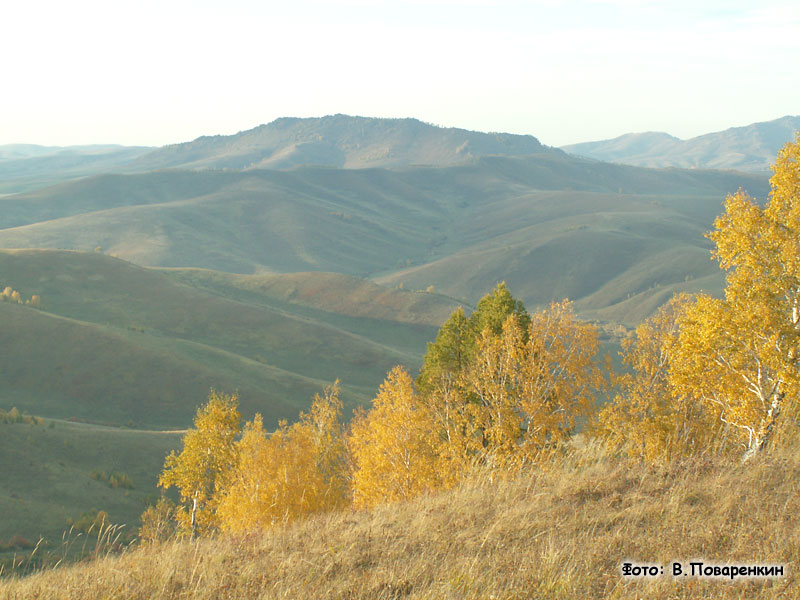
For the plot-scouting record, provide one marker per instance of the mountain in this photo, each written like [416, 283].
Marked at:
[24, 167]
[750, 148]
[339, 141]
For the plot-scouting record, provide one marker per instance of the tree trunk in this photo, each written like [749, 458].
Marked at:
[766, 430]
[194, 515]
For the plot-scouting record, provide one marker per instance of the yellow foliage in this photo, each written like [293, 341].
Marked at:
[648, 418]
[524, 392]
[739, 355]
[201, 468]
[294, 471]
[394, 445]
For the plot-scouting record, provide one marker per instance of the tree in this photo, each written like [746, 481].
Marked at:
[493, 310]
[201, 468]
[739, 355]
[527, 389]
[648, 418]
[561, 374]
[522, 394]
[331, 455]
[294, 471]
[394, 445]
[158, 522]
[449, 354]
[455, 343]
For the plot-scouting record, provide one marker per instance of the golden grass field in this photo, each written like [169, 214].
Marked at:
[555, 532]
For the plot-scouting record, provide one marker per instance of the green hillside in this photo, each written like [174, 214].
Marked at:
[118, 343]
[52, 472]
[609, 253]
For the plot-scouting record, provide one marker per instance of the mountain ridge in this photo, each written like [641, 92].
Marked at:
[748, 148]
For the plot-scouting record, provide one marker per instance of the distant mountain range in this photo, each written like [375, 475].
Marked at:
[750, 148]
[345, 142]
[27, 166]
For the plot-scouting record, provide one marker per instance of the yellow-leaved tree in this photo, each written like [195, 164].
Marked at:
[204, 463]
[525, 391]
[294, 471]
[739, 355]
[648, 418]
[394, 445]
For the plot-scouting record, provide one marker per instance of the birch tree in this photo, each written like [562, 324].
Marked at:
[739, 354]
[648, 418]
[294, 471]
[394, 445]
[200, 469]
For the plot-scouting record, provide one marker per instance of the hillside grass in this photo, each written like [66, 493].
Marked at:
[406, 320]
[47, 476]
[557, 531]
[117, 343]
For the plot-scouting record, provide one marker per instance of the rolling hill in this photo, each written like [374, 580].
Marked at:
[48, 471]
[550, 224]
[119, 352]
[117, 343]
[749, 148]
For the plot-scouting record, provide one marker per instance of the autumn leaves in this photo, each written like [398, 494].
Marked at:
[260, 478]
[724, 372]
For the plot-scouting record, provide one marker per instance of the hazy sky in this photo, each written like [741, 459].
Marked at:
[157, 72]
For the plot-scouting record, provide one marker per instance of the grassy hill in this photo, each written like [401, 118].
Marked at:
[550, 224]
[749, 148]
[559, 532]
[52, 473]
[118, 343]
[610, 253]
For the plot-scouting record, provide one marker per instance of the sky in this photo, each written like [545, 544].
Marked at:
[157, 72]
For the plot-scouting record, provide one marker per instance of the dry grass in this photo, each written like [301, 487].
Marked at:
[556, 533]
